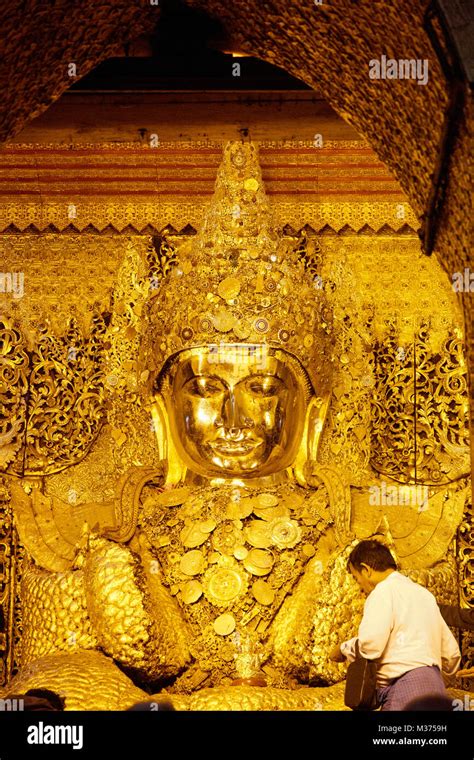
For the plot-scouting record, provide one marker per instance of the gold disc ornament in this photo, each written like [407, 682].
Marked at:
[223, 320]
[258, 534]
[224, 624]
[239, 510]
[242, 329]
[192, 563]
[240, 552]
[227, 537]
[270, 513]
[285, 533]
[258, 562]
[206, 526]
[191, 592]
[222, 585]
[251, 184]
[263, 592]
[192, 535]
[266, 500]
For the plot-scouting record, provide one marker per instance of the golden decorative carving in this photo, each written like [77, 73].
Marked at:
[466, 579]
[466, 542]
[304, 168]
[420, 430]
[14, 372]
[9, 578]
[68, 369]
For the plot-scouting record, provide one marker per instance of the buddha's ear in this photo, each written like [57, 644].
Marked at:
[316, 416]
[176, 470]
[316, 412]
[158, 416]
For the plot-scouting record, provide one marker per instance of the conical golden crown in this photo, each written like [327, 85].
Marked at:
[239, 281]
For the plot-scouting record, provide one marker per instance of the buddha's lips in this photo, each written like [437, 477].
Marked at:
[234, 447]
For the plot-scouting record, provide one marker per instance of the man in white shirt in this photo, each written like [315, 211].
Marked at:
[401, 628]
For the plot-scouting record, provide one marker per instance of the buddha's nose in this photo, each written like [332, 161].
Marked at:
[232, 418]
[231, 413]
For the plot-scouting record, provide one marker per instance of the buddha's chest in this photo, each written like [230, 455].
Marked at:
[229, 556]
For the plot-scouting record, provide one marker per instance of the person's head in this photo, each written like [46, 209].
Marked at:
[369, 563]
[40, 700]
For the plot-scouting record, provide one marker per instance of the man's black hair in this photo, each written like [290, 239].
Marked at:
[372, 553]
[56, 701]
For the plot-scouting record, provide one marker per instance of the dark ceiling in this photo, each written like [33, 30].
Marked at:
[186, 51]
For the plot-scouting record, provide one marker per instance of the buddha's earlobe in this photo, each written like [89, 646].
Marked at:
[176, 469]
[315, 417]
[317, 412]
[158, 417]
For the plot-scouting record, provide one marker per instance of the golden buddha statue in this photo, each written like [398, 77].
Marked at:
[217, 578]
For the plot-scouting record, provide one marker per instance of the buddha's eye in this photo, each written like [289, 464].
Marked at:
[203, 387]
[264, 386]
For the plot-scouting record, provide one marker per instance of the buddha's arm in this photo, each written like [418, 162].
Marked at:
[323, 609]
[114, 602]
[133, 618]
[54, 614]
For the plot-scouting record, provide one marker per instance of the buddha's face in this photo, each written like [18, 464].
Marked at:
[236, 410]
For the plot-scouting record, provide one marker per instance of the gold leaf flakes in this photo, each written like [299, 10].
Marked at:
[229, 288]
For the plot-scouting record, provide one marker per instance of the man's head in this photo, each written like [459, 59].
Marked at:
[369, 563]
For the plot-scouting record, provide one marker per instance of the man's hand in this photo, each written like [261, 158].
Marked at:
[336, 655]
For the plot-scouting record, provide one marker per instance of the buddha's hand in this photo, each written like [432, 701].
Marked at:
[126, 619]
